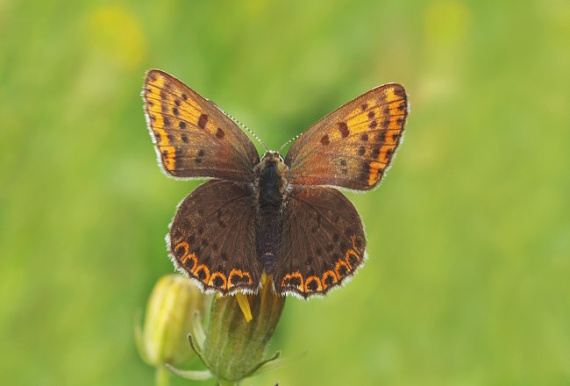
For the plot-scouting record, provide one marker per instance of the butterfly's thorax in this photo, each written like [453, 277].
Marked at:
[270, 192]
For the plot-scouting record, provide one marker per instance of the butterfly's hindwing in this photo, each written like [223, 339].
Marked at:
[322, 242]
[212, 237]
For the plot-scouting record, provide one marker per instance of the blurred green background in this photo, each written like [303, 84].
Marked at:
[467, 281]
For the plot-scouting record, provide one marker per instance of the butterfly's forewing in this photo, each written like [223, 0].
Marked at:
[352, 147]
[192, 137]
[322, 242]
[212, 238]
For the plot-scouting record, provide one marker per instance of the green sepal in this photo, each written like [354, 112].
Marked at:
[235, 348]
[195, 375]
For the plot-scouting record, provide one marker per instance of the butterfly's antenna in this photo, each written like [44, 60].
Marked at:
[288, 142]
[249, 131]
[242, 125]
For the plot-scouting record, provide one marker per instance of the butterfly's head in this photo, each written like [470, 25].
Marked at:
[272, 156]
[272, 162]
[271, 177]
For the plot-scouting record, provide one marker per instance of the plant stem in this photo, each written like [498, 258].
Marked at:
[162, 376]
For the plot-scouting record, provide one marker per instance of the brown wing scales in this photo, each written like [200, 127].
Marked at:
[192, 137]
[322, 242]
[212, 238]
[353, 146]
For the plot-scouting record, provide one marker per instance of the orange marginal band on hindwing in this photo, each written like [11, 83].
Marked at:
[212, 238]
[322, 242]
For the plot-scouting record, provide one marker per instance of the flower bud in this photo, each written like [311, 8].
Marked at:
[234, 347]
[170, 317]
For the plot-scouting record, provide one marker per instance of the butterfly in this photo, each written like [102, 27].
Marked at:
[281, 216]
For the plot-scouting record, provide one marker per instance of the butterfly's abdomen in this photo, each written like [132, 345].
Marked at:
[270, 183]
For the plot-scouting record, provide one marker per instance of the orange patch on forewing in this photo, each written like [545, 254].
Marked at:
[392, 137]
[377, 166]
[168, 156]
[341, 268]
[218, 280]
[395, 123]
[157, 80]
[160, 137]
[155, 116]
[398, 108]
[358, 117]
[189, 257]
[237, 276]
[171, 94]
[313, 284]
[329, 279]
[391, 95]
[177, 107]
[375, 172]
[202, 273]
[386, 153]
[294, 279]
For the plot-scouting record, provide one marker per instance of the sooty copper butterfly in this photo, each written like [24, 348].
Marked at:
[281, 216]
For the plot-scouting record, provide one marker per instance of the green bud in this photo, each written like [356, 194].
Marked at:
[171, 314]
[234, 347]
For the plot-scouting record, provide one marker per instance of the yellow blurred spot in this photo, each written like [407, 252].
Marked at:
[446, 21]
[116, 31]
[244, 305]
[256, 8]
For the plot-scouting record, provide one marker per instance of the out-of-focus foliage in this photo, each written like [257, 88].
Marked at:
[469, 234]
